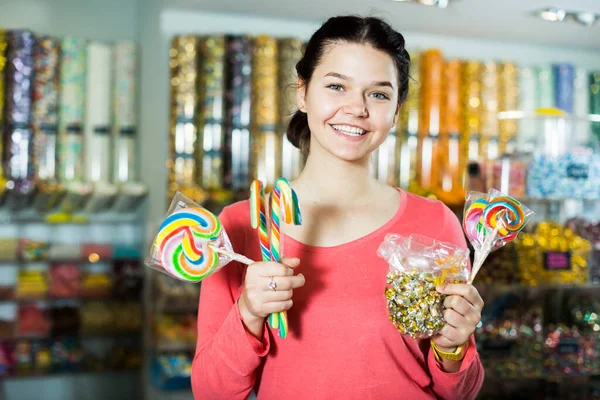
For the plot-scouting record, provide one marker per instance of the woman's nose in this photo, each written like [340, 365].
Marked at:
[356, 106]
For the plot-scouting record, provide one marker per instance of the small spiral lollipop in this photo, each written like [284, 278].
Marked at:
[492, 221]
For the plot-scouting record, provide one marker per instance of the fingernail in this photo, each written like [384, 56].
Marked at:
[440, 288]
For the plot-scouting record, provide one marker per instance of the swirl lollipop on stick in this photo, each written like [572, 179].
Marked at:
[490, 221]
[191, 243]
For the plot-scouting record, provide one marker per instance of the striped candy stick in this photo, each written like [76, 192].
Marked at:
[258, 219]
[284, 203]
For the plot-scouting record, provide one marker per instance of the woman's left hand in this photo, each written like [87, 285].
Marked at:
[462, 313]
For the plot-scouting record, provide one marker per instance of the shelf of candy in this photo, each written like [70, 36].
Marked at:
[26, 358]
[8, 249]
[590, 231]
[173, 295]
[175, 332]
[171, 372]
[571, 388]
[32, 282]
[8, 282]
[56, 102]
[100, 317]
[510, 339]
[552, 254]
[568, 351]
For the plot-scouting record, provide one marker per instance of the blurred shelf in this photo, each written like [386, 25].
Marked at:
[542, 377]
[175, 347]
[81, 335]
[66, 374]
[517, 286]
[109, 297]
[549, 113]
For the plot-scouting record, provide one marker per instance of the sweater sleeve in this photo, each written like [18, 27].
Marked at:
[227, 356]
[466, 383]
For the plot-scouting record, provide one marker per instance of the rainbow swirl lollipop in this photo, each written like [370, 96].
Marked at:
[183, 242]
[505, 214]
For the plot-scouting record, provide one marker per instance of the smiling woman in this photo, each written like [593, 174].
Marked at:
[352, 81]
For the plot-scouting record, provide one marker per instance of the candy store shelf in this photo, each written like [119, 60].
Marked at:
[80, 335]
[546, 114]
[175, 347]
[66, 374]
[522, 287]
[542, 377]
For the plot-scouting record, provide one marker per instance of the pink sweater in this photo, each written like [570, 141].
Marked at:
[340, 342]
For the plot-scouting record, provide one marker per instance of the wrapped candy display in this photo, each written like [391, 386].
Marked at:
[417, 265]
[552, 254]
[569, 352]
[191, 243]
[511, 342]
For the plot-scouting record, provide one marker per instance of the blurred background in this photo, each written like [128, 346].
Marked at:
[107, 108]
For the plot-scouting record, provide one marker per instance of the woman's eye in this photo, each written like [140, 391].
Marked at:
[335, 87]
[381, 96]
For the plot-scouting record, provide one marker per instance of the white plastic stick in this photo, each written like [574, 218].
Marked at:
[482, 254]
[232, 255]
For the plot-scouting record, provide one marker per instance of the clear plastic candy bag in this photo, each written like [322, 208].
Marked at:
[490, 221]
[191, 243]
[417, 265]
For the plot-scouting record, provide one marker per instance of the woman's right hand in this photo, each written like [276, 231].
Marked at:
[259, 300]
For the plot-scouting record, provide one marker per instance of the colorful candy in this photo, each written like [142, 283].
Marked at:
[183, 243]
[284, 203]
[506, 214]
[258, 218]
[490, 221]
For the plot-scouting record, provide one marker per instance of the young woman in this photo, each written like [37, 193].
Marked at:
[353, 79]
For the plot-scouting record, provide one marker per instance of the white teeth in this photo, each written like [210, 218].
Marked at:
[349, 130]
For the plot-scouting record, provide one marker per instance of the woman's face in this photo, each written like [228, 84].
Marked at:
[351, 101]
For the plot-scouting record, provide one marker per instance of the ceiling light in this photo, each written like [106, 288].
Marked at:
[431, 3]
[555, 14]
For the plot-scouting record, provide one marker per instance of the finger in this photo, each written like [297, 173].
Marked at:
[468, 292]
[454, 336]
[269, 269]
[291, 262]
[285, 282]
[443, 341]
[456, 320]
[459, 304]
[278, 295]
[275, 307]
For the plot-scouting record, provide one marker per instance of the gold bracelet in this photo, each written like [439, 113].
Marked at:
[456, 355]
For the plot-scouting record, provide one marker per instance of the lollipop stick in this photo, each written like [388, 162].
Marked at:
[482, 254]
[232, 255]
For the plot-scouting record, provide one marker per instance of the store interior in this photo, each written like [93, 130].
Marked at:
[108, 109]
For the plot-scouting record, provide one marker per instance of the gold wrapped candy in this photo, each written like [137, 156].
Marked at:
[290, 52]
[211, 92]
[183, 142]
[508, 100]
[415, 307]
[265, 160]
[552, 254]
[408, 128]
[471, 106]
[488, 147]
[432, 64]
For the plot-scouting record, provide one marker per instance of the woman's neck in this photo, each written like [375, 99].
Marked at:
[328, 180]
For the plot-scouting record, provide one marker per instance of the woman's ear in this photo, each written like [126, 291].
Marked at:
[301, 95]
[397, 114]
